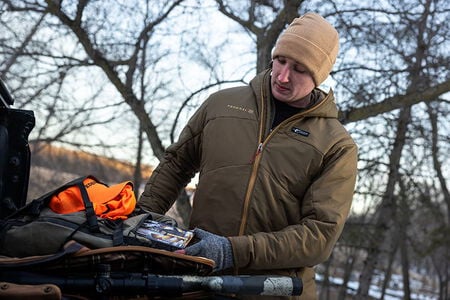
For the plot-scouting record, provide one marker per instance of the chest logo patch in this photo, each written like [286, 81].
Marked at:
[240, 108]
[299, 131]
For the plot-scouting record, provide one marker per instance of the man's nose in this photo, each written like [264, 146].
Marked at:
[283, 76]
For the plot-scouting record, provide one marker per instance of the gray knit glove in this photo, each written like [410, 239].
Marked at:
[215, 247]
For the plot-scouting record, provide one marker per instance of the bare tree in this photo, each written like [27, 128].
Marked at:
[391, 81]
[123, 57]
[441, 255]
[264, 20]
[394, 62]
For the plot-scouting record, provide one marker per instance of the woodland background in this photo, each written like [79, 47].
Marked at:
[111, 84]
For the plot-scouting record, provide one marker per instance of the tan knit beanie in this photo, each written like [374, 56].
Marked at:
[312, 42]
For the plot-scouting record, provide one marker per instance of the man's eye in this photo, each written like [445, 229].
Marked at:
[300, 70]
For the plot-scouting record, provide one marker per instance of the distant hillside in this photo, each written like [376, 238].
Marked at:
[52, 166]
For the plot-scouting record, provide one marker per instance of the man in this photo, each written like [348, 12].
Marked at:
[277, 169]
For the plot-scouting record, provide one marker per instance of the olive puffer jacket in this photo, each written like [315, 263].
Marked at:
[280, 195]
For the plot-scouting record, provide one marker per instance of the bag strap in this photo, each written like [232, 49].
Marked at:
[118, 234]
[91, 217]
[70, 248]
[117, 231]
[34, 208]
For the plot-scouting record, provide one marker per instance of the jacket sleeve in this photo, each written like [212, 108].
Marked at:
[325, 208]
[179, 165]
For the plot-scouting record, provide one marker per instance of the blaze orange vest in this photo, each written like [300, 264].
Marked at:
[111, 202]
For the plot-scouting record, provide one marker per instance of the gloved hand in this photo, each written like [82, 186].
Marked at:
[212, 246]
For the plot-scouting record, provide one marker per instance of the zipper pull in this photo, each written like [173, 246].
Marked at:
[258, 151]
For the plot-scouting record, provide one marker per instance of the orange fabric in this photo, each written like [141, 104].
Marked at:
[112, 202]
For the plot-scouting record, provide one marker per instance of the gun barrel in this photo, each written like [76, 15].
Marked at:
[102, 284]
[151, 284]
[248, 285]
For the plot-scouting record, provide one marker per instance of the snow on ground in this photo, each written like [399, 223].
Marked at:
[394, 292]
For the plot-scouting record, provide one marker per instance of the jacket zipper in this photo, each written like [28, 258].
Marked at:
[257, 156]
[255, 160]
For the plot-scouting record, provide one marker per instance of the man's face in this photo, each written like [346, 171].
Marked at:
[291, 82]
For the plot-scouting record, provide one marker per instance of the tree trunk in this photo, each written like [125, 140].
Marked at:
[137, 176]
[387, 209]
[325, 290]
[403, 240]
[349, 264]
[405, 267]
[445, 266]
[388, 273]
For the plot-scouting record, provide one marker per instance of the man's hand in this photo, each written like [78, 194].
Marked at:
[215, 247]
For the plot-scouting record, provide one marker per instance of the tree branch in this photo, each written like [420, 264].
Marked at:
[395, 102]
